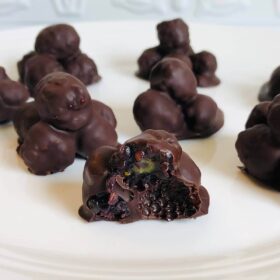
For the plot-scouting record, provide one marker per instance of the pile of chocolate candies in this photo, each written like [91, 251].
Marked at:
[174, 41]
[57, 48]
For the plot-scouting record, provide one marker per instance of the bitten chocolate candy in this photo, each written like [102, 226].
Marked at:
[148, 177]
[258, 146]
[60, 40]
[271, 88]
[175, 42]
[12, 96]
[61, 123]
[173, 104]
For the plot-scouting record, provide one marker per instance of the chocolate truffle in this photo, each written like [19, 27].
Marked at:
[175, 42]
[82, 67]
[148, 177]
[271, 88]
[147, 60]
[62, 122]
[173, 104]
[204, 67]
[172, 35]
[258, 146]
[60, 40]
[12, 96]
[36, 67]
[63, 101]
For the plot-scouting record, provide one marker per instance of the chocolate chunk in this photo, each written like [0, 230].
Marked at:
[175, 42]
[148, 177]
[36, 67]
[12, 96]
[271, 88]
[173, 104]
[82, 67]
[21, 65]
[62, 122]
[258, 146]
[60, 40]
[204, 67]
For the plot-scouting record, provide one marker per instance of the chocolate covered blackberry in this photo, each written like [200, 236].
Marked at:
[173, 104]
[82, 67]
[272, 87]
[204, 66]
[12, 96]
[174, 41]
[61, 123]
[36, 67]
[148, 177]
[258, 146]
[60, 40]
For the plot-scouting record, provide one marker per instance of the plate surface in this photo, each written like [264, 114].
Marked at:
[41, 234]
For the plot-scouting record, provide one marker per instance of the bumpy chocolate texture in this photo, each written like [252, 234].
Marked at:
[12, 96]
[173, 104]
[271, 88]
[174, 41]
[61, 123]
[148, 177]
[258, 146]
[57, 49]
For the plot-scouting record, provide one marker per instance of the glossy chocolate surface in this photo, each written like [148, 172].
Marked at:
[173, 104]
[61, 123]
[174, 41]
[258, 146]
[148, 177]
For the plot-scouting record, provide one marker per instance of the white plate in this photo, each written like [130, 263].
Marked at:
[41, 234]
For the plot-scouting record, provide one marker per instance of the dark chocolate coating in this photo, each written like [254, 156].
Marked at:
[46, 150]
[25, 117]
[37, 67]
[258, 146]
[148, 177]
[271, 88]
[175, 77]
[102, 123]
[82, 67]
[147, 60]
[12, 96]
[174, 42]
[60, 40]
[63, 101]
[21, 65]
[174, 105]
[62, 122]
[173, 34]
[204, 67]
